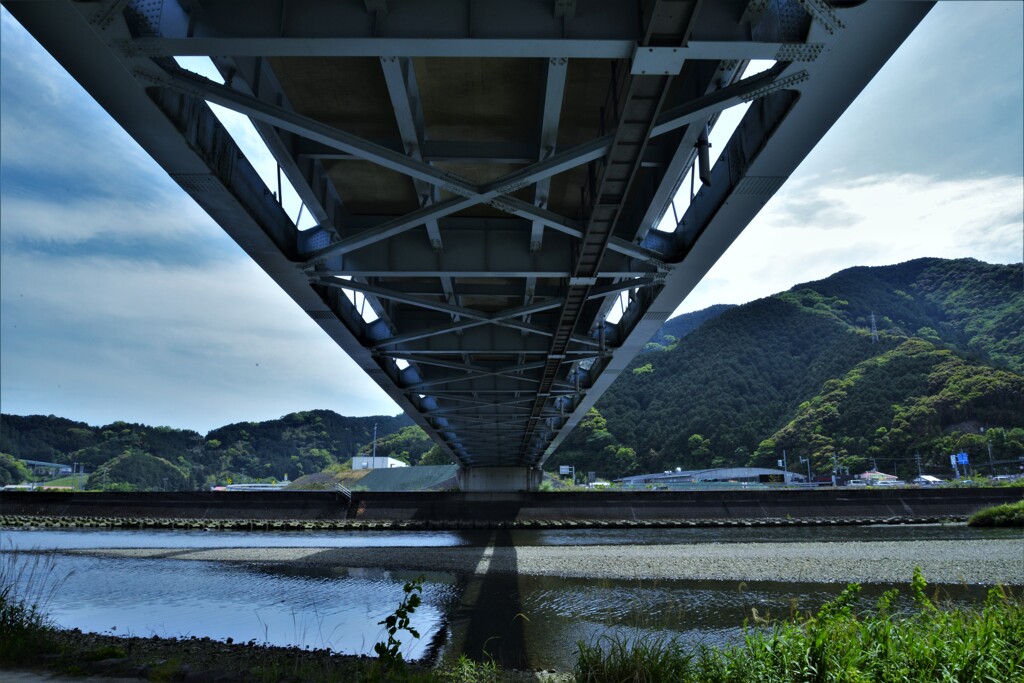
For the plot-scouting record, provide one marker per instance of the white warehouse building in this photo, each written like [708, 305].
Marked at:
[371, 462]
[721, 474]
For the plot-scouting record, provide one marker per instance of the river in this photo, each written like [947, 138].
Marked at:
[522, 621]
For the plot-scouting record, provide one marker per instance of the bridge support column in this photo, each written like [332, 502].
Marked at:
[499, 479]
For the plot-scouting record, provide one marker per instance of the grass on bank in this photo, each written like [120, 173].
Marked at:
[1008, 515]
[27, 586]
[837, 644]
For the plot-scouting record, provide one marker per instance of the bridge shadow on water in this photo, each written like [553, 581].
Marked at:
[488, 624]
[482, 618]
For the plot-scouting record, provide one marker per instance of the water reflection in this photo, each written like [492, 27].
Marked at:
[336, 608]
[44, 538]
[519, 621]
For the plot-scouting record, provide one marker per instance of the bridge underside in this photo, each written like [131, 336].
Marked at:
[487, 176]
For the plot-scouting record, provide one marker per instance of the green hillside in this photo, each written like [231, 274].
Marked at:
[296, 444]
[763, 376]
[799, 371]
[913, 400]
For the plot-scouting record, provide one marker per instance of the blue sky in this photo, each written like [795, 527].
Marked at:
[120, 299]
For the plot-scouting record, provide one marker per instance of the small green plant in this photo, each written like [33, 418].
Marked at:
[611, 658]
[389, 653]
[465, 670]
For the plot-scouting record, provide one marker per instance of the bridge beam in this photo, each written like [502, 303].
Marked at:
[481, 183]
[499, 479]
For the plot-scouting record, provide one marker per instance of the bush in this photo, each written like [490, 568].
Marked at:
[1010, 514]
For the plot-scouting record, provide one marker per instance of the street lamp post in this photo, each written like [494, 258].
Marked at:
[808, 461]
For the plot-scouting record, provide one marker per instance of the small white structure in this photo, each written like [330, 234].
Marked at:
[927, 480]
[371, 462]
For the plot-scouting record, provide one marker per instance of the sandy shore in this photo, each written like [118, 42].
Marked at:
[972, 562]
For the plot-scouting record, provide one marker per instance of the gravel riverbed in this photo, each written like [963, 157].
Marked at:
[971, 562]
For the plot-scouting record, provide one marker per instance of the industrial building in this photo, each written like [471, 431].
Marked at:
[760, 475]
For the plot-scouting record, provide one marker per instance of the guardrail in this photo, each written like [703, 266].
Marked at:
[343, 490]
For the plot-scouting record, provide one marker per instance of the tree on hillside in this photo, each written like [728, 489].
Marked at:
[12, 470]
[408, 444]
[135, 470]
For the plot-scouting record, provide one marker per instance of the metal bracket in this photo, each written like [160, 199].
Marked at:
[799, 52]
[823, 14]
[103, 16]
[657, 61]
[782, 84]
[582, 281]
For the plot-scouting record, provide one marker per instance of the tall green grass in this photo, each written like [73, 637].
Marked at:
[28, 582]
[837, 644]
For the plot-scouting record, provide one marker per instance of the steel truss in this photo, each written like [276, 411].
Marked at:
[490, 234]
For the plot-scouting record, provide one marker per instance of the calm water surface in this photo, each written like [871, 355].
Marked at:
[521, 621]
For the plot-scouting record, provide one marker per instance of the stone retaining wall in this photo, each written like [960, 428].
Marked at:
[262, 505]
[687, 505]
[683, 506]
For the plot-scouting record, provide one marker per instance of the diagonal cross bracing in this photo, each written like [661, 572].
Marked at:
[469, 195]
[477, 176]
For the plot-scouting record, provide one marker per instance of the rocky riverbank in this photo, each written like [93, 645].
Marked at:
[970, 561]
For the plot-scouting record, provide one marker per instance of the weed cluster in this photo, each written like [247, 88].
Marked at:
[1010, 514]
[837, 644]
[27, 585]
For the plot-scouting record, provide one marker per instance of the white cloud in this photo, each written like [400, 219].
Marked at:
[885, 220]
[101, 339]
[165, 214]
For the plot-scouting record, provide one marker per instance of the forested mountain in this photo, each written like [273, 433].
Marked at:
[138, 455]
[678, 327]
[800, 371]
[772, 374]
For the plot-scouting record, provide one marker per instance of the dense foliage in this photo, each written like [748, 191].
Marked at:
[408, 444]
[839, 643]
[12, 470]
[800, 371]
[678, 327]
[137, 471]
[1010, 514]
[909, 401]
[296, 444]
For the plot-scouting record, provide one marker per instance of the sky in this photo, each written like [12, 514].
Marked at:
[121, 300]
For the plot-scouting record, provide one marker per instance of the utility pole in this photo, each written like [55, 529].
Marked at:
[784, 465]
[373, 458]
[835, 467]
[808, 461]
[917, 458]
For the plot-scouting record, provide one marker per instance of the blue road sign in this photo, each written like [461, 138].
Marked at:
[961, 458]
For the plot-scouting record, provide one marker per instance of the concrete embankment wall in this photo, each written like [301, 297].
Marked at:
[430, 506]
[183, 504]
[683, 505]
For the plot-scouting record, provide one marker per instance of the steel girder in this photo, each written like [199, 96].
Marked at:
[486, 173]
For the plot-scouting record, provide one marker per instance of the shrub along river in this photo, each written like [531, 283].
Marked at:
[524, 621]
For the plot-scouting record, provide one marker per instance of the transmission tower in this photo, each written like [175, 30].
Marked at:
[874, 329]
